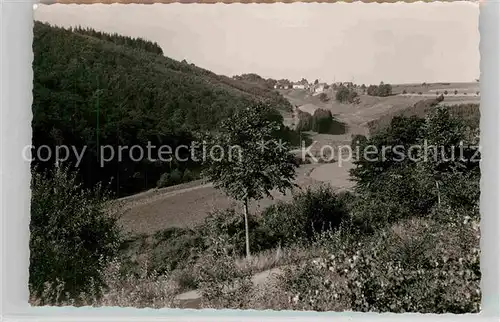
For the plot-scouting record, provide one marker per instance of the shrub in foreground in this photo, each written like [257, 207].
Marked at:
[415, 266]
[223, 284]
[231, 224]
[72, 236]
[146, 290]
[174, 248]
[312, 211]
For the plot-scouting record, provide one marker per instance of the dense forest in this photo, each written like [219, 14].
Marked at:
[95, 89]
[137, 43]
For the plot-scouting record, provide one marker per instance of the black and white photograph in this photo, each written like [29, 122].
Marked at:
[301, 157]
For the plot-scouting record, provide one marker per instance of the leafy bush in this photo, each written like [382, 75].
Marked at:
[400, 187]
[305, 121]
[223, 284]
[311, 212]
[381, 90]
[175, 177]
[319, 210]
[295, 136]
[282, 224]
[231, 224]
[323, 97]
[372, 90]
[357, 142]
[322, 121]
[345, 95]
[400, 193]
[72, 236]
[402, 131]
[186, 279]
[145, 290]
[415, 266]
[468, 113]
[187, 176]
[441, 128]
[164, 180]
[174, 248]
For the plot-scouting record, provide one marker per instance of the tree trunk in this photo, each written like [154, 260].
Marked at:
[247, 239]
[438, 195]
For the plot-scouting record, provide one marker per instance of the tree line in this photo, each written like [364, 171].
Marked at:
[137, 43]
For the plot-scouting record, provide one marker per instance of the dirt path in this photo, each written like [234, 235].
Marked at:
[192, 299]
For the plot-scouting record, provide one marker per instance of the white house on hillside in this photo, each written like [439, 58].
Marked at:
[299, 86]
[319, 88]
[281, 85]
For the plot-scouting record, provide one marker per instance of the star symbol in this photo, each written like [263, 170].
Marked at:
[262, 145]
[281, 146]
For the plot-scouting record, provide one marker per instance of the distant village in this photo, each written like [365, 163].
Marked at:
[315, 88]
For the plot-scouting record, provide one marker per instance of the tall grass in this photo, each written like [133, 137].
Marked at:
[124, 289]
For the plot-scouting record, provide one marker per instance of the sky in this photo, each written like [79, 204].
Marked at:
[360, 42]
